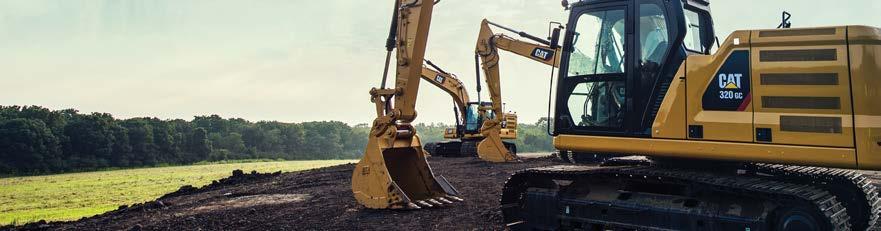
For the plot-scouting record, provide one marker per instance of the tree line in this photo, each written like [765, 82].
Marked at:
[37, 140]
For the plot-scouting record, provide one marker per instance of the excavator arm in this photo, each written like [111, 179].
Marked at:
[394, 172]
[488, 46]
[487, 51]
[450, 84]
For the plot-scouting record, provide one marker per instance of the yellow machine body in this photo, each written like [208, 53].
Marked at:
[813, 98]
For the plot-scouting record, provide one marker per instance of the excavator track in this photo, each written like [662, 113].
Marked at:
[659, 198]
[852, 189]
[469, 148]
[447, 148]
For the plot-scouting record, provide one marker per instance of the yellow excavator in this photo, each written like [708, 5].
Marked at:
[462, 140]
[766, 133]
[486, 57]
[478, 130]
[537, 49]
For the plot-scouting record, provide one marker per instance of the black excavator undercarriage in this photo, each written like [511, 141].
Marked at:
[662, 196]
[460, 148]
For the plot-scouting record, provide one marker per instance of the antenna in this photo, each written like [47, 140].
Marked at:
[785, 23]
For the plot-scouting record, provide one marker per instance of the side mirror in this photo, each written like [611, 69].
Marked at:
[555, 38]
[565, 4]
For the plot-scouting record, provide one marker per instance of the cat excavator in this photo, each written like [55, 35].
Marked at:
[768, 132]
[476, 128]
[547, 52]
[478, 118]
[462, 140]
[486, 57]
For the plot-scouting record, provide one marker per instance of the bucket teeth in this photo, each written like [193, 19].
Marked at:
[454, 198]
[441, 199]
[397, 176]
[424, 204]
[435, 202]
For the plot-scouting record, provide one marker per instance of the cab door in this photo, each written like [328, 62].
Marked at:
[592, 93]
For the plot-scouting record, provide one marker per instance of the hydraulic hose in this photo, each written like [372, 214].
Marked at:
[390, 43]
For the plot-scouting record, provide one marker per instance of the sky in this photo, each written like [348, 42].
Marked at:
[288, 60]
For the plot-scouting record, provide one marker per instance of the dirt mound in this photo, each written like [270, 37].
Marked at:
[311, 200]
[318, 199]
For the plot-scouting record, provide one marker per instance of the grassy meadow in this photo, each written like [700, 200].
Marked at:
[72, 196]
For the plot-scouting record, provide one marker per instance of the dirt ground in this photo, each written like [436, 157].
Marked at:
[319, 199]
[315, 200]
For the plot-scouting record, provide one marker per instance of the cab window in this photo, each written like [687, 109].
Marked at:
[652, 34]
[598, 44]
[693, 41]
[598, 104]
[472, 118]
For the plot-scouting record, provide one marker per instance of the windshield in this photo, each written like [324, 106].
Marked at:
[472, 118]
[598, 44]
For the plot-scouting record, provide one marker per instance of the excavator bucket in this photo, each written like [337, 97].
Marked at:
[396, 175]
[491, 148]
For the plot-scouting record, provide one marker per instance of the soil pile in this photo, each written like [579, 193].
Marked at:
[315, 200]
[318, 199]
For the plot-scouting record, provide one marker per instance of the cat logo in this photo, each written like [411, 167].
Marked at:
[439, 79]
[731, 85]
[543, 54]
[730, 81]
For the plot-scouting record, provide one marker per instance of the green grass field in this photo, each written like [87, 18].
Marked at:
[72, 196]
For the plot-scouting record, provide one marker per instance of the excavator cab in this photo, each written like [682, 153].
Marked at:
[619, 59]
[475, 114]
[473, 119]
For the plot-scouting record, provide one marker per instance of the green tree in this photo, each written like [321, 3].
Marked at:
[28, 145]
[292, 139]
[163, 138]
[233, 143]
[200, 146]
[39, 140]
[90, 143]
[141, 137]
[122, 148]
